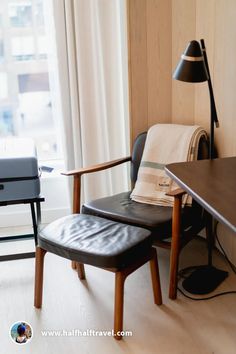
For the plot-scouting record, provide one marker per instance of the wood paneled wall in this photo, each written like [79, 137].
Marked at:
[216, 23]
[159, 31]
[213, 20]
[150, 62]
[183, 17]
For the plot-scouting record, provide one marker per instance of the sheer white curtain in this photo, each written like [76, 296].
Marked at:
[91, 41]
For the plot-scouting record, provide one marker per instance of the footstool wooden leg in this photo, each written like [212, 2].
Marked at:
[156, 284]
[80, 270]
[38, 290]
[119, 303]
[79, 267]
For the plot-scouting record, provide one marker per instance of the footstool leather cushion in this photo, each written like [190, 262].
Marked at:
[96, 241]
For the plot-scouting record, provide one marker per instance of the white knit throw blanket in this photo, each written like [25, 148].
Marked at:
[165, 143]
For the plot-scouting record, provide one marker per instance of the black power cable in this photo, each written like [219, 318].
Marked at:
[205, 298]
[182, 273]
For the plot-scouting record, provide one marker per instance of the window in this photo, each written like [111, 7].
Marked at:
[23, 48]
[39, 18]
[42, 47]
[20, 14]
[1, 51]
[6, 122]
[26, 105]
[3, 86]
[29, 99]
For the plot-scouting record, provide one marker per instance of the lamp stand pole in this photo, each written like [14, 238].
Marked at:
[207, 278]
[214, 118]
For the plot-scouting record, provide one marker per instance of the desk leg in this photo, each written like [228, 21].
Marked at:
[175, 246]
[209, 236]
[34, 221]
[38, 209]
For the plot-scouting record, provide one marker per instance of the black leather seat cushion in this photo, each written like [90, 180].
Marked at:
[95, 241]
[121, 208]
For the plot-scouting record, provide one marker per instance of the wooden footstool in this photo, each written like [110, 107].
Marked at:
[102, 243]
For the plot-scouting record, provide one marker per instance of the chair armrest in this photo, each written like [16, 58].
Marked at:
[96, 168]
[78, 173]
[179, 192]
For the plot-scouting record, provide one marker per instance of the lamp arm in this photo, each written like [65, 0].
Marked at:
[214, 118]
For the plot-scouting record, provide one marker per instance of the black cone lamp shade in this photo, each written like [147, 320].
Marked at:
[193, 67]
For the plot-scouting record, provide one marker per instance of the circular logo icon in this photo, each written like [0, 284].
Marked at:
[21, 332]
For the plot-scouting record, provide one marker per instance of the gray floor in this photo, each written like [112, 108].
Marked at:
[177, 327]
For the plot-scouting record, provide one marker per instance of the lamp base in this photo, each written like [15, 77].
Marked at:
[204, 280]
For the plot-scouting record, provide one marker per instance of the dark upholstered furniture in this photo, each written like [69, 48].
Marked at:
[157, 219]
[102, 243]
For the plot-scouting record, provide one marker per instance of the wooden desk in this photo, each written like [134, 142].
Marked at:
[212, 183]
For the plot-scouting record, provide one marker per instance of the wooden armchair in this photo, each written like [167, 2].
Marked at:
[157, 219]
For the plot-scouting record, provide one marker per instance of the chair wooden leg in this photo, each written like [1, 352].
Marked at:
[80, 270]
[119, 303]
[38, 290]
[156, 284]
[175, 246]
[73, 265]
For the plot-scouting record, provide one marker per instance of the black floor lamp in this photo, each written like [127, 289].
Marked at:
[193, 67]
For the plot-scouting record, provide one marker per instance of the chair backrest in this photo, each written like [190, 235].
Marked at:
[203, 153]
